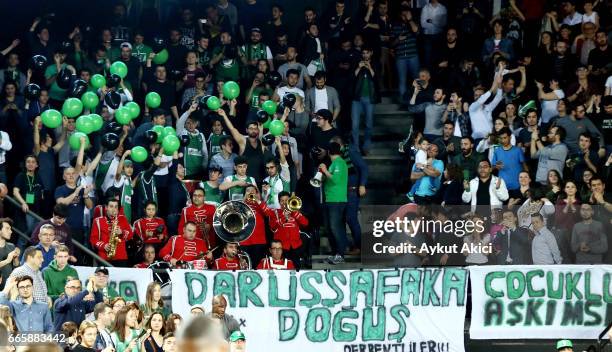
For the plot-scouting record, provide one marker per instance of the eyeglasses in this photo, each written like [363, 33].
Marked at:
[28, 287]
[276, 249]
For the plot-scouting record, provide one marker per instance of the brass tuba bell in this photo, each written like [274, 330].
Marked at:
[294, 203]
[234, 221]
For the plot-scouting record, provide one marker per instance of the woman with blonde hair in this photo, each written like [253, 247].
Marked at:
[127, 329]
[154, 302]
[87, 338]
[7, 318]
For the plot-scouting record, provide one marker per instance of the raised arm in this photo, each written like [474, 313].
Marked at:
[238, 137]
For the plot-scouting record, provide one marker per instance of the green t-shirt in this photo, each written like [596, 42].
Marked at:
[337, 186]
[55, 92]
[226, 70]
[141, 52]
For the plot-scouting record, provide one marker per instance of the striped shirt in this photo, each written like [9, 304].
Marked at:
[408, 47]
[40, 288]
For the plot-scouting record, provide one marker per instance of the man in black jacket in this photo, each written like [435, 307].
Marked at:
[512, 243]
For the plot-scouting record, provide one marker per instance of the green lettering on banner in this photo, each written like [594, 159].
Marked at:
[193, 297]
[273, 297]
[555, 293]
[607, 296]
[530, 290]
[316, 332]
[411, 283]
[572, 313]
[494, 312]
[330, 278]
[532, 312]
[126, 289]
[593, 314]
[288, 332]
[369, 331]
[343, 331]
[515, 284]
[571, 285]
[588, 295]
[308, 288]
[248, 281]
[454, 279]
[396, 314]
[514, 311]
[362, 282]
[382, 288]
[489, 279]
[551, 309]
[608, 312]
[225, 285]
[430, 296]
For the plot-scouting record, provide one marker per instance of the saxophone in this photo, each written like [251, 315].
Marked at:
[114, 239]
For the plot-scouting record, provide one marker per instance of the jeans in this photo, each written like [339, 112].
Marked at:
[352, 216]
[336, 224]
[365, 106]
[405, 66]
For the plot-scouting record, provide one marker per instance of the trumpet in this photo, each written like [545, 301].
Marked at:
[251, 197]
[245, 260]
[294, 203]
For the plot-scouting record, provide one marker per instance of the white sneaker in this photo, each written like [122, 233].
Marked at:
[337, 259]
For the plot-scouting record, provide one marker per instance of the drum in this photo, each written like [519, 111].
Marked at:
[160, 272]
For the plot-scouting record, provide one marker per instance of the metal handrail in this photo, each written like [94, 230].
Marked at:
[74, 242]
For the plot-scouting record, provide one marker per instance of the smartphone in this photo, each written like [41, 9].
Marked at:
[203, 20]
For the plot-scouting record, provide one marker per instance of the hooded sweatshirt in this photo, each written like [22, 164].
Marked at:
[55, 279]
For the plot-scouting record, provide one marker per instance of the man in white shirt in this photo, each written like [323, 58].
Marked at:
[573, 17]
[481, 113]
[544, 248]
[322, 96]
[433, 21]
[5, 146]
[291, 86]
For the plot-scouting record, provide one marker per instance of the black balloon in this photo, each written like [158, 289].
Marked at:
[114, 127]
[262, 116]
[78, 88]
[202, 102]
[113, 80]
[268, 140]
[66, 45]
[39, 62]
[265, 130]
[151, 136]
[32, 91]
[110, 141]
[63, 78]
[158, 44]
[112, 99]
[274, 79]
[289, 100]
[184, 140]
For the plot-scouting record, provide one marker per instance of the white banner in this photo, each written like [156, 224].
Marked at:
[540, 302]
[130, 283]
[406, 310]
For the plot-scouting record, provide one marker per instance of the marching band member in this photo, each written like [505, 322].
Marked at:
[103, 228]
[186, 247]
[201, 214]
[276, 261]
[256, 244]
[230, 259]
[286, 226]
[151, 229]
[149, 257]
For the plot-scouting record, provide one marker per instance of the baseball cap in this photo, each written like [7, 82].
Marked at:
[238, 335]
[126, 45]
[326, 114]
[104, 271]
[564, 343]
[256, 29]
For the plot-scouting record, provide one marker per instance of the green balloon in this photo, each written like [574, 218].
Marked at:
[277, 127]
[133, 108]
[213, 103]
[119, 68]
[139, 154]
[168, 131]
[161, 57]
[160, 132]
[153, 100]
[51, 118]
[170, 143]
[231, 90]
[269, 106]
[98, 81]
[90, 100]
[85, 124]
[72, 107]
[122, 115]
[267, 124]
[97, 122]
[75, 140]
